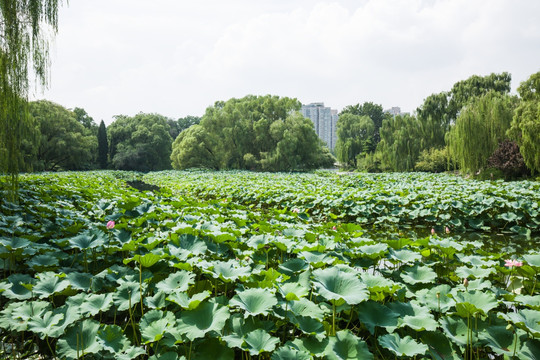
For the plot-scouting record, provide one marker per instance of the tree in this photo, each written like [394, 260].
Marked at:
[255, 132]
[23, 49]
[64, 143]
[103, 146]
[182, 124]
[399, 147]
[141, 143]
[86, 120]
[479, 129]
[355, 137]
[525, 128]
[375, 113]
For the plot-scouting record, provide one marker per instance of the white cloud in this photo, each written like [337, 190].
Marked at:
[177, 58]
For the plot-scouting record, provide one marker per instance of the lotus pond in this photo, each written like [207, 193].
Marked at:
[236, 265]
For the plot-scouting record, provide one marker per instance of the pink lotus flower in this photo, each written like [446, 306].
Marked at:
[110, 225]
[334, 228]
[511, 263]
[432, 231]
[296, 210]
[447, 230]
[466, 283]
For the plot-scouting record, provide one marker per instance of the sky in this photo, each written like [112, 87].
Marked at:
[176, 58]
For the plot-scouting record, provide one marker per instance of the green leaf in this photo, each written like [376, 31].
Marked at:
[183, 300]
[346, 346]
[259, 341]
[373, 314]
[80, 340]
[471, 302]
[254, 301]
[213, 349]
[178, 281]
[112, 339]
[207, 317]
[48, 284]
[526, 319]
[128, 294]
[290, 353]
[44, 324]
[405, 346]
[14, 288]
[418, 275]
[154, 324]
[334, 284]
[96, 303]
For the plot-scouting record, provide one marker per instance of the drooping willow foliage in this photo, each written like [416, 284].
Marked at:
[479, 129]
[26, 27]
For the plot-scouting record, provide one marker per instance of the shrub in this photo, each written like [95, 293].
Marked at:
[433, 160]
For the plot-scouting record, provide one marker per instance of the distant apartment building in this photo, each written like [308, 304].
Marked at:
[324, 120]
[395, 110]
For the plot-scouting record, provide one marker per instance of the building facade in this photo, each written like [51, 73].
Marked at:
[324, 120]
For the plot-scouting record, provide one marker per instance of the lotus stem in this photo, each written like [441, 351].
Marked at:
[49, 345]
[515, 344]
[334, 317]
[140, 288]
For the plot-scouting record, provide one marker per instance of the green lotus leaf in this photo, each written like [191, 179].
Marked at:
[229, 270]
[70, 315]
[475, 272]
[178, 281]
[418, 275]
[304, 307]
[333, 284]
[290, 353]
[17, 314]
[112, 339]
[87, 240]
[43, 261]
[372, 314]
[439, 346]
[455, 329]
[373, 251]
[471, 302]
[378, 283]
[132, 353]
[437, 298]
[293, 288]
[80, 281]
[293, 266]
[499, 339]
[147, 260]
[446, 245]
[310, 326]
[14, 243]
[405, 256]
[405, 346]
[529, 301]
[44, 324]
[80, 340]
[127, 295]
[312, 345]
[154, 324]
[49, 283]
[254, 301]
[170, 355]
[259, 341]
[213, 349]
[532, 259]
[419, 323]
[96, 303]
[14, 287]
[476, 260]
[157, 301]
[207, 317]
[316, 259]
[530, 350]
[346, 346]
[526, 319]
[183, 300]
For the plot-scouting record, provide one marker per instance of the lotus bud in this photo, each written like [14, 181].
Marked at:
[438, 295]
[447, 230]
[466, 283]
[110, 225]
[432, 231]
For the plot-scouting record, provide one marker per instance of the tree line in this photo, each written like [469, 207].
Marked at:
[476, 127]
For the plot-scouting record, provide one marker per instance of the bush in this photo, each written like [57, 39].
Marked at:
[508, 159]
[433, 160]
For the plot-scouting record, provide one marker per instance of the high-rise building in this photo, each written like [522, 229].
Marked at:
[324, 120]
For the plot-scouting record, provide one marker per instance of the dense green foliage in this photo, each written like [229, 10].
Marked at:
[63, 143]
[355, 137]
[141, 142]
[399, 146]
[25, 27]
[433, 160]
[103, 146]
[526, 123]
[375, 113]
[225, 274]
[479, 129]
[255, 132]
[182, 124]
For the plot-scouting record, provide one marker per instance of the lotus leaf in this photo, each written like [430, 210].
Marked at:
[405, 256]
[346, 346]
[259, 341]
[81, 339]
[254, 301]
[290, 353]
[80, 281]
[293, 266]
[209, 316]
[500, 340]
[95, 303]
[43, 261]
[184, 301]
[439, 346]
[526, 319]
[112, 339]
[530, 350]
[44, 324]
[418, 275]
[532, 259]
[213, 349]
[14, 287]
[178, 281]
[333, 284]
[472, 302]
[405, 346]
[474, 272]
[154, 324]
[229, 270]
[127, 295]
[437, 298]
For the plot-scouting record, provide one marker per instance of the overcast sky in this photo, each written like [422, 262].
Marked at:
[176, 57]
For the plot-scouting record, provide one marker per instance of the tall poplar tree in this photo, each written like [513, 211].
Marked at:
[103, 145]
[25, 27]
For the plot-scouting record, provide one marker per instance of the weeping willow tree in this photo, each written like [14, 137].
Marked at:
[479, 129]
[25, 29]
[399, 147]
